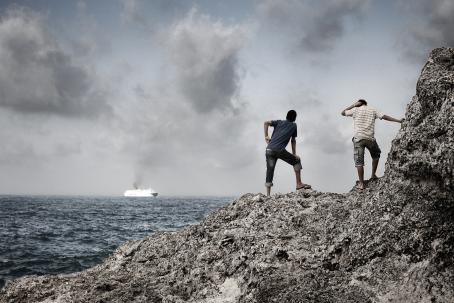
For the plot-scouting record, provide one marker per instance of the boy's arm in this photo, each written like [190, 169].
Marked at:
[293, 146]
[265, 129]
[389, 118]
[356, 104]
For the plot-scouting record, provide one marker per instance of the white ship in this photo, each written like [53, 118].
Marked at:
[138, 192]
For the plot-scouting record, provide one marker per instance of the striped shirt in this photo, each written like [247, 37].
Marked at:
[364, 121]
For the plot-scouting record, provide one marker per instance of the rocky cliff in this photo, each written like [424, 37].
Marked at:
[392, 242]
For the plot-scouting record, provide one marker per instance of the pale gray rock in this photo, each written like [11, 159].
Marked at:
[393, 242]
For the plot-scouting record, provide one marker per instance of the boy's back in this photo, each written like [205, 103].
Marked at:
[364, 121]
[283, 131]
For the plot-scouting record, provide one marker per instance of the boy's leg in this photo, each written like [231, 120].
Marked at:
[296, 163]
[270, 165]
[374, 168]
[360, 170]
[358, 156]
[298, 178]
[375, 152]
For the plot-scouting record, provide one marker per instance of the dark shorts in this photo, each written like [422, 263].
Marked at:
[358, 150]
[271, 159]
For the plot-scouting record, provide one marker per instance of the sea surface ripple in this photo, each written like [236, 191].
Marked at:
[52, 235]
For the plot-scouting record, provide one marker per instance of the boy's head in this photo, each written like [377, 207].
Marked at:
[362, 101]
[291, 115]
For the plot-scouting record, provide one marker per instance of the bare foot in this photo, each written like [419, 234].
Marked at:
[373, 177]
[360, 186]
[303, 186]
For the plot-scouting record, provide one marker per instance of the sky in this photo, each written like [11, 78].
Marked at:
[172, 94]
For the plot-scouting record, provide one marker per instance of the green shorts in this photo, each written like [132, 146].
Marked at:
[358, 150]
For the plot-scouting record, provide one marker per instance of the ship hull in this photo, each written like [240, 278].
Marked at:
[144, 193]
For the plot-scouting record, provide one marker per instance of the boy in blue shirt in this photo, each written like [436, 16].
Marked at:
[283, 131]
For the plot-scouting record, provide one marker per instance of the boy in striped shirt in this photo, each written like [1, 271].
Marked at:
[364, 125]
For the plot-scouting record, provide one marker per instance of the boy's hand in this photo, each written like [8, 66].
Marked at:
[267, 139]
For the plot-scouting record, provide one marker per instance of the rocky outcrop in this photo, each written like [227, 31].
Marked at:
[393, 242]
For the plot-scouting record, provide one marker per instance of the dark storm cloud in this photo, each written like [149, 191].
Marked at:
[315, 26]
[204, 54]
[431, 25]
[38, 76]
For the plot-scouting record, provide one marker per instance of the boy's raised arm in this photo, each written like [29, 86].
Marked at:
[356, 104]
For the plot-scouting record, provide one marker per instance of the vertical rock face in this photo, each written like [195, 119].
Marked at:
[392, 242]
[423, 151]
[420, 177]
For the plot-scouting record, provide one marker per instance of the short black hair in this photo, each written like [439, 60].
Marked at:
[291, 115]
[364, 102]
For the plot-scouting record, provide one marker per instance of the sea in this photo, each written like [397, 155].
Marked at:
[59, 234]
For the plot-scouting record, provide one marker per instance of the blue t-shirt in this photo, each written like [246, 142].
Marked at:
[283, 131]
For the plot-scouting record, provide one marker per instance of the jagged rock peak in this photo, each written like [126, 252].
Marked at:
[423, 150]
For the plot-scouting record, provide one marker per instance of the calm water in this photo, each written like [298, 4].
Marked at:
[50, 235]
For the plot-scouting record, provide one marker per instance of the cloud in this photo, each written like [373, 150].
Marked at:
[204, 54]
[431, 26]
[33, 141]
[163, 133]
[148, 14]
[326, 137]
[166, 128]
[38, 76]
[131, 12]
[90, 41]
[314, 26]
[320, 129]
[192, 121]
